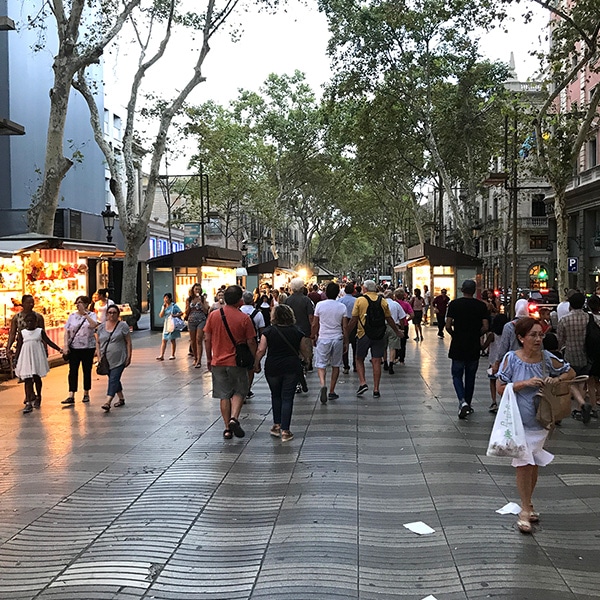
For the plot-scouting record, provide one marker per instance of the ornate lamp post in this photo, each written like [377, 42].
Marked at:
[108, 218]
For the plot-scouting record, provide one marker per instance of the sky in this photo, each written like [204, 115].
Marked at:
[294, 38]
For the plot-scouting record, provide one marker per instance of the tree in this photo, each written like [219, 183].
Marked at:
[79, 46]
[408, 52]
[134, 216]
[560, 133]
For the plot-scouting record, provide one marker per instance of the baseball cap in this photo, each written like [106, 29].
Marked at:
[468, 286]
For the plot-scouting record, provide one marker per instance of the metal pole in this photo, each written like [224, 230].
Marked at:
[202, 204]
[514, 202]
[111, 279]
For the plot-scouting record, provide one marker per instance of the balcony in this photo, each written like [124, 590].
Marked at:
[533, 223]
[585, 178]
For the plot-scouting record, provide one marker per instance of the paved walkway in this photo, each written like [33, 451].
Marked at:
[149, 501]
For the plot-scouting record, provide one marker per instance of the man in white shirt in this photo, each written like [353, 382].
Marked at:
[258, 321]
[563, 309]
[393, 342]
[330, 336]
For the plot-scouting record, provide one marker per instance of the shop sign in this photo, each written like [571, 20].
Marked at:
[192, 235]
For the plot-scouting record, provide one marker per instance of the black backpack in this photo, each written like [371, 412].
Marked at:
[592, 339]
[375, 321]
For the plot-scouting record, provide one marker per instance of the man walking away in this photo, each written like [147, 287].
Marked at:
[466, 320]
[348, 300]
[404, 324]
[392, 341]
[258, 321]
[303, 311]
[370, 313]
[440, 306]
[571, 336]
[330, 335]
[230, 382]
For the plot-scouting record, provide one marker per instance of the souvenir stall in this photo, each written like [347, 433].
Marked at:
[175, 273]
[438, 268]
[54, 276]
[274, 272]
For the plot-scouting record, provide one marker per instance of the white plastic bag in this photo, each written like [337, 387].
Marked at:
[170, 324]
[508, 435]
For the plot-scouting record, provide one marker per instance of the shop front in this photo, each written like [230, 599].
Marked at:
[438, 268]
[274, 272]
[54, 272]
[176, 273]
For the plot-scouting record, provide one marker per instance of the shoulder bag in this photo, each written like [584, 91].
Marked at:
[554, 400]
[103, 368]
[66, 356]
[243, 355]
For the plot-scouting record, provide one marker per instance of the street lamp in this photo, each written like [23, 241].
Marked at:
[108, 218]
[244, 251]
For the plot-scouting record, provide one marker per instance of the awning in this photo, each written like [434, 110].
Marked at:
[12, 245]
[409, 264]
[241, 272]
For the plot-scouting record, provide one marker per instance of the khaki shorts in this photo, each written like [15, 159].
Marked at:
[229, 381]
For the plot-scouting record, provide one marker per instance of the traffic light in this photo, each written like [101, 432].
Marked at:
[543, 274]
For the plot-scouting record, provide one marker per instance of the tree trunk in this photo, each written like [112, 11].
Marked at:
[562, 244]
[43, 208]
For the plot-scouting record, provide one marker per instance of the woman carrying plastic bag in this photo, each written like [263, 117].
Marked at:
[527, 369]
[508, 433]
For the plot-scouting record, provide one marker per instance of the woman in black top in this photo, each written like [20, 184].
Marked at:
[283, 366]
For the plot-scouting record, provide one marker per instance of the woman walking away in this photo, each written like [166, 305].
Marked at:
[196, 310]
[32, 360]
[418, 304]
[493, 341]
[283, 366]
[528, 369]
[169, 309]
[113, 340]
[80, 347]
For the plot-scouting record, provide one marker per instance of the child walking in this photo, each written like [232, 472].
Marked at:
[32, 361]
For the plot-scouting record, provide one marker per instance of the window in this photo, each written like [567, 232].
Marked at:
[592, 153]
[117, 126]
[106, 122]
[152, 247]
[495, 244]
[538, 242]
[486, 245]
[538, 206]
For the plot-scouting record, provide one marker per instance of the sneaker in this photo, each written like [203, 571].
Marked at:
[391, 369]
[250, 394]
[586, 412]
[323, 395]
[332, 396]
[471, 410]
[303, 385]
[346, 370]
[385, 365]
[464, 411]
[286, 436]
[37, 401]
[28, 408]
[376, 394]
[275, 431]
[362, 389]
[86, 398]
[416, 339]
[68, 401]
[441, 336]
[298, 389]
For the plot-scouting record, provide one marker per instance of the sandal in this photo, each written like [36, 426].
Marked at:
[120, 402]
[227, 434]
[235, 426]
[106, 407]
[493, 408]
[534, 516]
[159, 358]
[524, 524]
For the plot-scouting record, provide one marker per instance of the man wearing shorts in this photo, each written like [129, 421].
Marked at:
[364, 343]
[330, 335]
[230, 382]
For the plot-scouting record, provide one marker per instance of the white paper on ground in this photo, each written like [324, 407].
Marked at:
[419, 527]
[430, 597]
[512, 508]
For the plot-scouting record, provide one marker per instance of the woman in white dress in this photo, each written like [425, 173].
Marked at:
[32, 359]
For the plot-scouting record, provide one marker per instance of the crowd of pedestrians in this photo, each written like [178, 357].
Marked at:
[288, 332]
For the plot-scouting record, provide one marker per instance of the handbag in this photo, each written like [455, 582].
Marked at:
[508, 434]
[103, 368]
[178, 324]
[66, 355]
[243, 355]
[554, 400]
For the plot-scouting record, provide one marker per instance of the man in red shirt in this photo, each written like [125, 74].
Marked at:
[230, 382]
